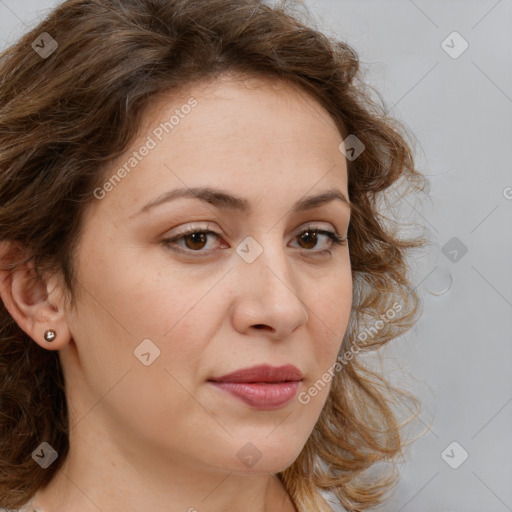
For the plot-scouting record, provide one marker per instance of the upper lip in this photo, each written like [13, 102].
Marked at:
[262, 373]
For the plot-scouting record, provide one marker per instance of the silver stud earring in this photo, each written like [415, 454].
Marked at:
[50, 335]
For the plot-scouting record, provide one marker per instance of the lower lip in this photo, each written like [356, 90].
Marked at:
[261, 395]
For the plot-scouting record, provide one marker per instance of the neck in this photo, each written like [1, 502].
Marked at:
[218, 493]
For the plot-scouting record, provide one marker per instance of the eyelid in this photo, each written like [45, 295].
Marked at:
[334, 238]
[192, 228]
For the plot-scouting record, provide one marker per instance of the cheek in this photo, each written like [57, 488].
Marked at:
[147, 302]
[330, 313]
[123, 305]
[329, 319]
[175, 309]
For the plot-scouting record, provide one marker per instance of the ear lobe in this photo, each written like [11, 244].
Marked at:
[26, 297]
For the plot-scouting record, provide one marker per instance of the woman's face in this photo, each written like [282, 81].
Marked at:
[156, 319]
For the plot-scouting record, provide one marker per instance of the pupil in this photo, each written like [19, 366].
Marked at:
[196, 238]
[312, 237]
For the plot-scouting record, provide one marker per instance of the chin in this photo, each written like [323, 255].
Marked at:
[251, 459]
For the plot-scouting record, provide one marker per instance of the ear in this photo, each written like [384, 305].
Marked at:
[35, 304]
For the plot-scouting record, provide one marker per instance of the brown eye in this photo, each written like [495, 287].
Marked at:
[310, 239]
[197, 240]
[193, 240]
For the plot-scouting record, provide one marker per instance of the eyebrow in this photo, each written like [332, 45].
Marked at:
[224, 200]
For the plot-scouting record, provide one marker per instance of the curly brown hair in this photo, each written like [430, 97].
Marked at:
[65, 116]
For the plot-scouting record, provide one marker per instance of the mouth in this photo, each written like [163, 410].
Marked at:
[262, 387]
[261, 395]
[262, 373]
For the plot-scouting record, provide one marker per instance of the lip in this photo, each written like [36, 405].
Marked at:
[262, 387]
[262, 373]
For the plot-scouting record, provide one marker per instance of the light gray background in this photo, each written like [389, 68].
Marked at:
[457, 359]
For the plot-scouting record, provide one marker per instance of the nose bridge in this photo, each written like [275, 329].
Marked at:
[269, 282]
[271, 264]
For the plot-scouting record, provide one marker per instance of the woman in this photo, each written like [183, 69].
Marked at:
[182, 315]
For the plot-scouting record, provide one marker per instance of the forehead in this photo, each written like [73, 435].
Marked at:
[232, 102]
[256, 136]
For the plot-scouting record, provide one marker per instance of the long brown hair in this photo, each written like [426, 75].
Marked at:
[69, 107]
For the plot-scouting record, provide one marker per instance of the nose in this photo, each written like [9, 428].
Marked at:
[268, 294]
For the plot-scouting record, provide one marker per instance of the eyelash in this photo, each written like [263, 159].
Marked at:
[335, 238]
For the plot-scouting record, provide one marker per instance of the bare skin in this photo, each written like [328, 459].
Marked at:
[161, 437]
